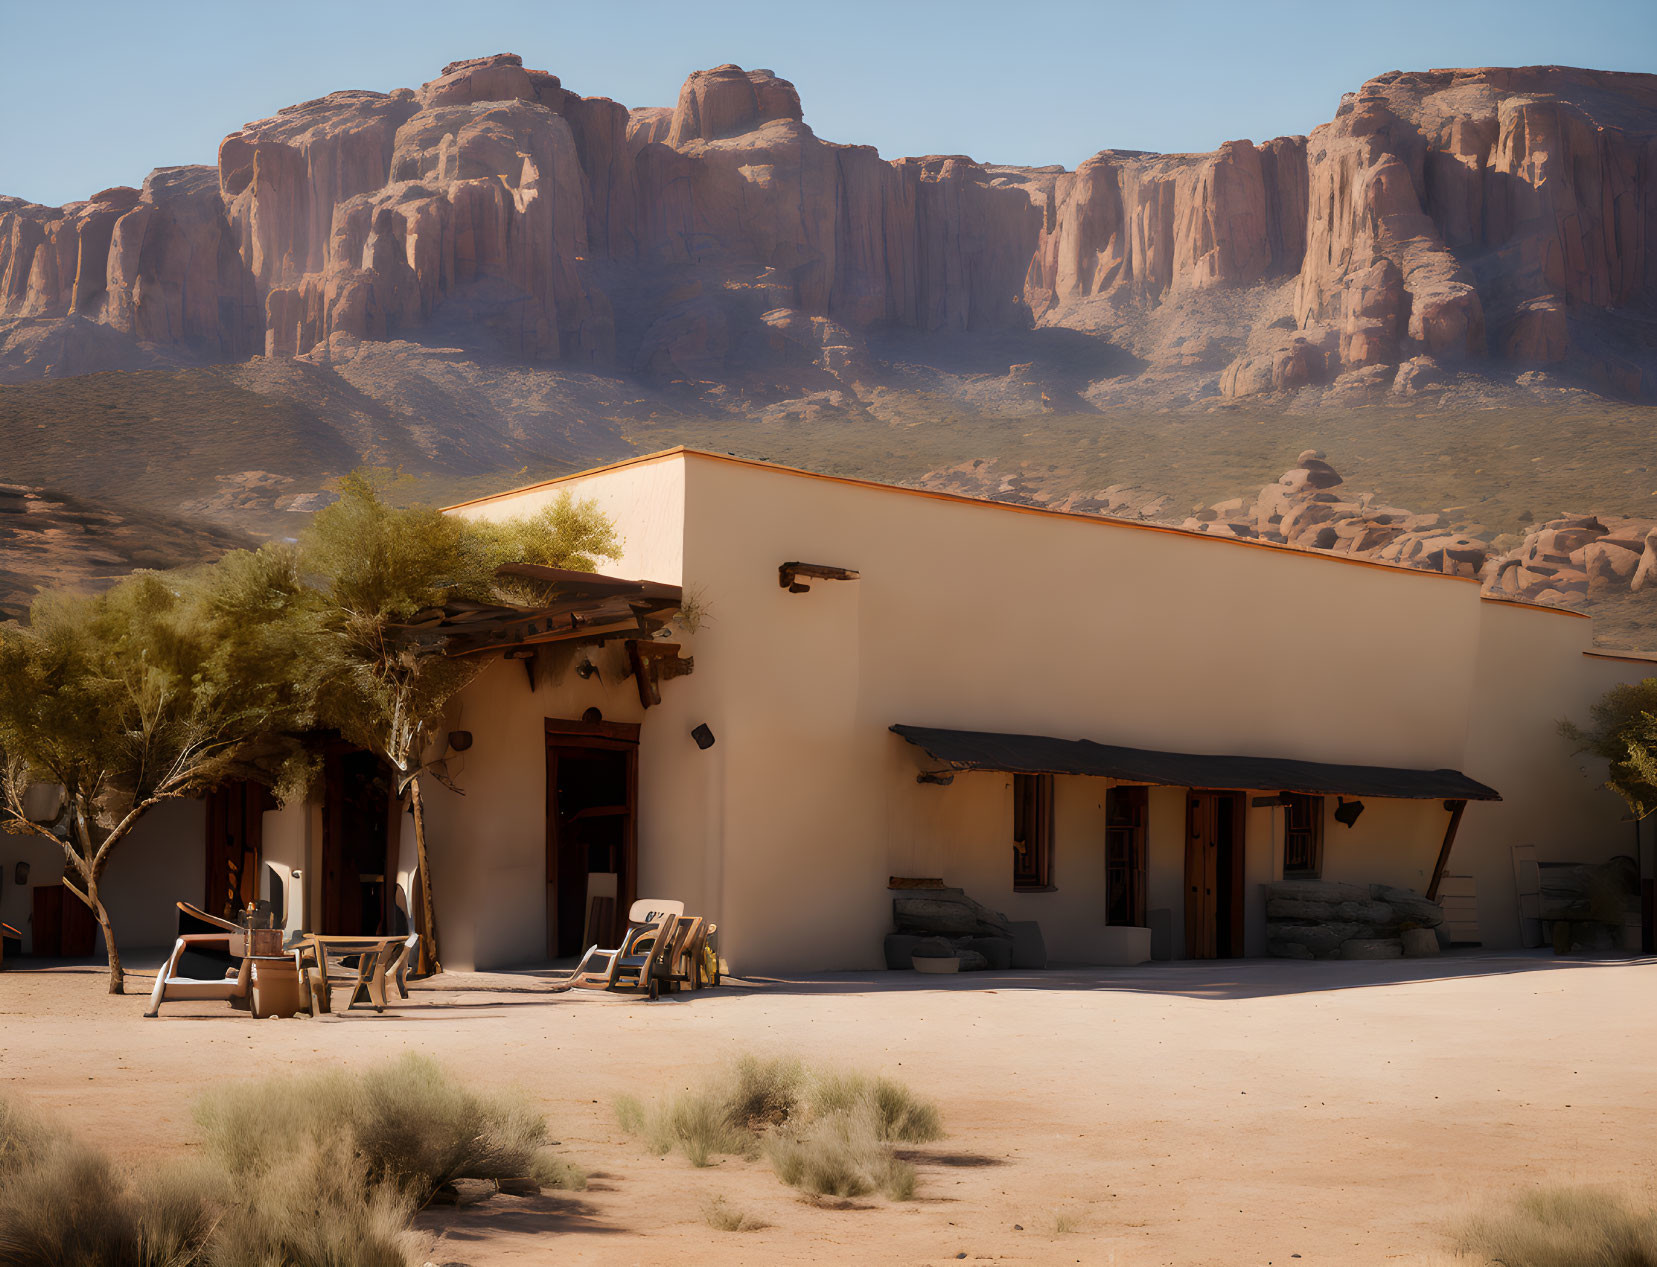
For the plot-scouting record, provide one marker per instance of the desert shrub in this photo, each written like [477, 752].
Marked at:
[323, 1171]
[409, 1126]
[63, 1202]
[897, 1113]
[313, 1207]
[840, 1155]
[720, 1216]
[1566, 1227]
[826, 1133]
[764, 1092]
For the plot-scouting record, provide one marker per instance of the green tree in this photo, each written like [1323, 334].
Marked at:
[1624, 732]
[161, 687]
[379, 568]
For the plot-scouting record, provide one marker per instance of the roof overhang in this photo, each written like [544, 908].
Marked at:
[1040, 754]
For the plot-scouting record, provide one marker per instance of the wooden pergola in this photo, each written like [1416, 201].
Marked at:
[577, 607]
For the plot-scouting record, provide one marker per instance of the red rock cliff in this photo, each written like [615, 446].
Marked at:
[1449, 214]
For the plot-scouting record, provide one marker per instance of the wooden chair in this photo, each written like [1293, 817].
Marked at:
[644, 961]
[398, 965]
[698, 966]
[177, 980]
[192, 919]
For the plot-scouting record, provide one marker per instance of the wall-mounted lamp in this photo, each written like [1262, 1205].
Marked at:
[460, 740]
[1346, 812]
[587, 669]
[703, 736]
[20, 873]
[592, 715]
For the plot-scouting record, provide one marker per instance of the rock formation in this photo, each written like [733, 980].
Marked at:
[1556, 563]
[1324, 919]
[1458, 216]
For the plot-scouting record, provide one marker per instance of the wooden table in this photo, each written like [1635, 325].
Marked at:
[374, 957]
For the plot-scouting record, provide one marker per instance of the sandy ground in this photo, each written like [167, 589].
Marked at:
[1252, 1112]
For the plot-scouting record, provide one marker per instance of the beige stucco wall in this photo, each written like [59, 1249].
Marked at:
[162, 862]
[977, 616]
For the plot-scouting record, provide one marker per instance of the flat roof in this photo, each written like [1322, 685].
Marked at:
[660, 455]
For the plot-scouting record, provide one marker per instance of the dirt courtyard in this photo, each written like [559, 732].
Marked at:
[1223, 1113]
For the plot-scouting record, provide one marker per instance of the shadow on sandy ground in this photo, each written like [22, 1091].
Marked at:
[1193, 979]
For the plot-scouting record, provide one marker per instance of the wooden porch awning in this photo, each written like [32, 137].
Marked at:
[1038, 754]
[576, 606]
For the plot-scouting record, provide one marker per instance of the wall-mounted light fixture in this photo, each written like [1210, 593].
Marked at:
[587, 669]
[20, 873]
[1346, 812]
[703, 736]
[460, 740]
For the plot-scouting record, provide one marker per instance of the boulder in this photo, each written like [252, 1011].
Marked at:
[934, 915]
[1418, 943]
[1410, 906]
[1645, 575]
[1372, 948]
[1317, 891]
[1296, 909]
[1319, 939]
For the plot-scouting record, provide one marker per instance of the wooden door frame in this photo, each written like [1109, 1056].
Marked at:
[1197, 929]
[594, 736]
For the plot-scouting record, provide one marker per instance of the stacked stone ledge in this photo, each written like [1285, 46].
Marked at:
[1326, 919]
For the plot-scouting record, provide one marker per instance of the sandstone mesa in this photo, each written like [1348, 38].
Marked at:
[1473, 217]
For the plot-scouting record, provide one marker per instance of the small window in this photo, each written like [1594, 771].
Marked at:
[1125, 856]
[1303, 836]
[1032, 831]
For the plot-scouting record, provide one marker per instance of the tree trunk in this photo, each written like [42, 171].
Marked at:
[431, 960]
[117, 977]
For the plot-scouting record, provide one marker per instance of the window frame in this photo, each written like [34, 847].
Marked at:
[1126, 855]
[1310, 832]
[1033, 833]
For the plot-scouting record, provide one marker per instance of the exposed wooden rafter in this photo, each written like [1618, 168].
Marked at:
[578, 607]
[789, 574]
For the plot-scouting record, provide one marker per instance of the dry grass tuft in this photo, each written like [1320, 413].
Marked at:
[722, 1217]
[409, 1125]
[323, 1170]
[840, 1155]
[828, 1134]
[62, 1202]
[1566, 1227]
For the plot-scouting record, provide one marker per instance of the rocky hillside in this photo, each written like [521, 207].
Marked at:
[49, 539]
[1494, 220]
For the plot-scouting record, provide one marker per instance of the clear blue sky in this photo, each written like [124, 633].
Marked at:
[97, 94]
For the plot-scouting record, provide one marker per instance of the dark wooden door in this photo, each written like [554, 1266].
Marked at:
[358, 844]
[1214, 875]
[235, 814]
[592, 811]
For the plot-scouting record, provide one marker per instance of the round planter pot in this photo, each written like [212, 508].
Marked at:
[929, 963]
